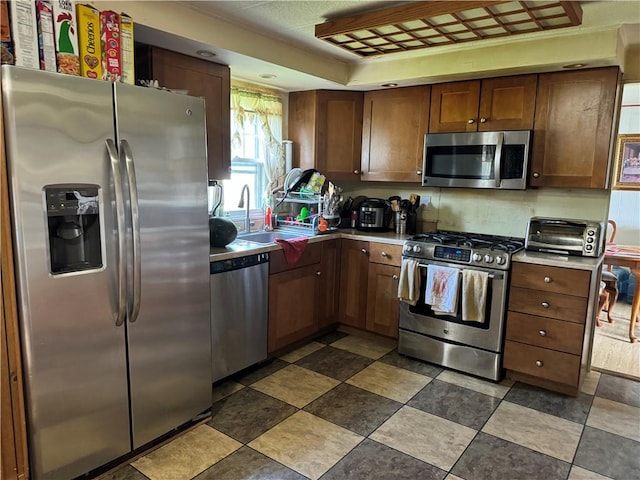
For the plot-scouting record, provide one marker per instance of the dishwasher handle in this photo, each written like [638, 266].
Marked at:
[238, 263]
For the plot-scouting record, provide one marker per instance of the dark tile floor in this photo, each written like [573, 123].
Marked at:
[345, 407]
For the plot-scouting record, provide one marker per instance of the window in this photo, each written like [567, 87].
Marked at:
[257, 157]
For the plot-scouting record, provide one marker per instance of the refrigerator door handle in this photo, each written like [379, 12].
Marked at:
[119, 201]
[135, 229]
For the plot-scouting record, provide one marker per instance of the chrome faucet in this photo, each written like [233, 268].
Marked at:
[247, 225]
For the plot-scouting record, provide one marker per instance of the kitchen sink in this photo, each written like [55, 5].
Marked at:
[268, 237]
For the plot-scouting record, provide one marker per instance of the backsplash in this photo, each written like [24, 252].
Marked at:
[498, 212]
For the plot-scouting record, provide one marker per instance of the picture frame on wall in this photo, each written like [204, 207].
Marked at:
[627, 163]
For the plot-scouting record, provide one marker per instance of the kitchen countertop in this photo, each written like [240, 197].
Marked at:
[555, 260]
[240, 248]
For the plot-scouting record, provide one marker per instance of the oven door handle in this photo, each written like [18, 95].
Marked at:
[493, 276]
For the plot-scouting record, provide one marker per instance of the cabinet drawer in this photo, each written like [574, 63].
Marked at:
[541, 362]
[312, 254]
[545, 332]
[547, 304]
[385, 253]
[551, 279]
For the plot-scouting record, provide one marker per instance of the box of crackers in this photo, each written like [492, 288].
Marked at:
[89, 43]
[64, 25]
[46, 37]
[110, 39]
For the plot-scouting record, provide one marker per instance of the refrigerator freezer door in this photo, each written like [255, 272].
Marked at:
[74, 354]
[162, 135]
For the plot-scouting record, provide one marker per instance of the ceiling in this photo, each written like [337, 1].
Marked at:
[258, 39]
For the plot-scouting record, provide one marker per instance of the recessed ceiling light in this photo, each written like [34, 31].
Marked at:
[266, 75]
[389, 85]
[575, 65]
[206, 53]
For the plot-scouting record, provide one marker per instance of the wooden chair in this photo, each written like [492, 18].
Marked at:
[609, 293]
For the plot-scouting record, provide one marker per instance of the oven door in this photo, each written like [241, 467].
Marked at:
[487, 335]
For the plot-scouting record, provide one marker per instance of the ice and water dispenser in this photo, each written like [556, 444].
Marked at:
[73, 220]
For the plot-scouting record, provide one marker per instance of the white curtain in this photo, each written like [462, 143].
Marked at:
[246, 104]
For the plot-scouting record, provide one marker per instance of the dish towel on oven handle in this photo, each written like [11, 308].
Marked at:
[409, 282]
[442, 289]
[474, 295]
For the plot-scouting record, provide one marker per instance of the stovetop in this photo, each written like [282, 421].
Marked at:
[478, 249]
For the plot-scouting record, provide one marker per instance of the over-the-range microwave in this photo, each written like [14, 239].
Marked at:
[496, 160]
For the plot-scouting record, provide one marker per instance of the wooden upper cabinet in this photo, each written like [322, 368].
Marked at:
[394, 125]
[504, 103]
[202, 79]
[326, 129]
[576, 118]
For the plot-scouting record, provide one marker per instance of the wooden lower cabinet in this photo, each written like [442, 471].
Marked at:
[329, 287]
[549, 325]
[354, 267]
[383, 306]
[369, 286]
[293, 305]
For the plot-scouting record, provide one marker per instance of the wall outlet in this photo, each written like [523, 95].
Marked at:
[425, 201]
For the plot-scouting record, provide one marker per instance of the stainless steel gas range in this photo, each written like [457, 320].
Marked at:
[449, 339]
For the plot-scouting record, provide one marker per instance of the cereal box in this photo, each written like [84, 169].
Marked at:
[64, 25]
[127, 49]
[110, 40]
[89, 41]
[6, 49]
[24, 32]
[46, 38]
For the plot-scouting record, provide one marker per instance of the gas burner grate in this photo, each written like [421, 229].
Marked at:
[471, 240]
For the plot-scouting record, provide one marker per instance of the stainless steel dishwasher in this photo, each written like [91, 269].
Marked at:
[239, 312]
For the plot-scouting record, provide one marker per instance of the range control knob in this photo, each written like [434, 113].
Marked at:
[406, 248]
[488, 258]
[477, 257]
[416, 249]
[500, 260]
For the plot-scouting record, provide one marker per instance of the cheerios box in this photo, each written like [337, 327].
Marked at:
[110, 39]
[64, 24]
[89, 41]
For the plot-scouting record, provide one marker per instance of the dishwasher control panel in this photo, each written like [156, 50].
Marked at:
[237, 263]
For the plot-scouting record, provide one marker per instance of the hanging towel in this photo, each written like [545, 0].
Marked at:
[442, 289]
[409, 283]
[293, 249]
[474, 295]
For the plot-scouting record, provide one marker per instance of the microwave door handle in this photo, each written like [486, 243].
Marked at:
[498, 161]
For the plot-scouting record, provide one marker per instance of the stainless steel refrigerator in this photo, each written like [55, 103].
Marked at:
[110, 225]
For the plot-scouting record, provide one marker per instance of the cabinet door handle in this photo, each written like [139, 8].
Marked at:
[356, 172]
[483, 120]
[395, 277]
[364, 250]
[542, 333]
[547, 280]
[384, 254]
[418, 172]
[536, 175]
[539, 363]
[545, 305]
[318, 273]
[471, 120]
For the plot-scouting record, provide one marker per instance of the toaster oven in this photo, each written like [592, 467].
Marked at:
[565, 236]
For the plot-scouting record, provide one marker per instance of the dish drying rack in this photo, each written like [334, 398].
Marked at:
[288, 208]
